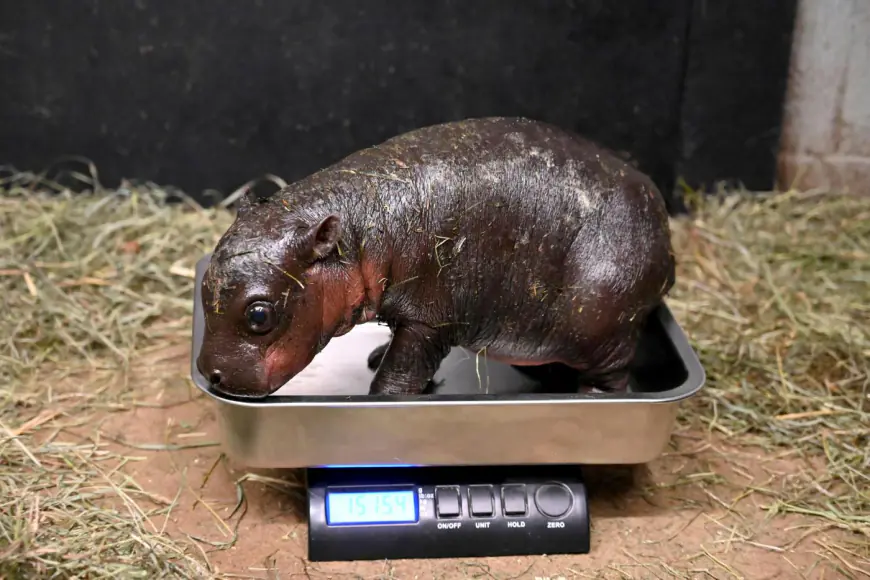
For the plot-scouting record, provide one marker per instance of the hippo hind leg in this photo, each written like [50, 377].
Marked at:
[559, 378]
[551, 377]
[605, 362]
[615, 381]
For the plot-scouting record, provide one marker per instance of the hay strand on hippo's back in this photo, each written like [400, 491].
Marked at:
[774, 293]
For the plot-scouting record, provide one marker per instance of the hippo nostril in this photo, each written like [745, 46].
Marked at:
[215, 378]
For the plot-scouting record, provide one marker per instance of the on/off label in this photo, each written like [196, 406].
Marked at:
[449, 525]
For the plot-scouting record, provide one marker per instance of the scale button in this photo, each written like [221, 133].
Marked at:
[447, 501]
[553, 499]
[480, 500]
[514, 499]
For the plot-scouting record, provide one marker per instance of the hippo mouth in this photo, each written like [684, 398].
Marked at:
[281, 368]
[241, 395]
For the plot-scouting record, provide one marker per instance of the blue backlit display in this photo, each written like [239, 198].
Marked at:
[371, 507]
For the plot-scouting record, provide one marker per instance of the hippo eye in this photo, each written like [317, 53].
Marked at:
[261, 317]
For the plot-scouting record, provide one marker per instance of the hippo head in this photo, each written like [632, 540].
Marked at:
[263, 298]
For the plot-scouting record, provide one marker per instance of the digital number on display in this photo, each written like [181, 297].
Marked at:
[371, 507]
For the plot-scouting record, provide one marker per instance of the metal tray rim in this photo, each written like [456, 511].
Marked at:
[695, 379]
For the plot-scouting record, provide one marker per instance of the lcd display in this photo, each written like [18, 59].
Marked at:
[371, 507]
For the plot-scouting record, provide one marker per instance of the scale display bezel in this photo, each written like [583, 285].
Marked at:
[372, 490]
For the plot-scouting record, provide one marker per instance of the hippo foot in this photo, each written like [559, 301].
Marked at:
[431, 386]
[376, 356]
[428, 389]
[614, 382]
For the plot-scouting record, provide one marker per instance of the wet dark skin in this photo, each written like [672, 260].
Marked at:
[509, 237]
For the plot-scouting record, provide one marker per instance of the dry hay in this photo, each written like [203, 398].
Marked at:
[773, 290]
[86, 281]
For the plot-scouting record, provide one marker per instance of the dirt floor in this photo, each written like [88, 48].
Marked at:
[701, 511]
[111, 464]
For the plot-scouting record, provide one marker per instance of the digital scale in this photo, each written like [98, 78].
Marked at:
[445, 512]
[486, 465]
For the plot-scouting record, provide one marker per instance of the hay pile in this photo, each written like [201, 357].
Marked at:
[87, 282]
[774, 292]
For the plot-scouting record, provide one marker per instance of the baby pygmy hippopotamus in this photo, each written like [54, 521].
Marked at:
[512, 238]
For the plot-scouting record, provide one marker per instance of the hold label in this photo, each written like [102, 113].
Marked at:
[516, 524]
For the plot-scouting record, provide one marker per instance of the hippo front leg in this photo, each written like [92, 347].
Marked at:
[376, 356]
[410, 361]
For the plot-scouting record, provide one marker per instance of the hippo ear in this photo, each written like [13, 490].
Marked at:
[320, 240]
[246, 200]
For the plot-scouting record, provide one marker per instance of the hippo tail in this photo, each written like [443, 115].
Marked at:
[670, 278]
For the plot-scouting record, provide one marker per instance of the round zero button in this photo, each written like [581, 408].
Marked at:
[553, 499]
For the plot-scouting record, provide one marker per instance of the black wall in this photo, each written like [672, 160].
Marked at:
[207, 94]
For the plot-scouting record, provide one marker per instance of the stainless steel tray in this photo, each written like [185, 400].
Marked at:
[486, 413]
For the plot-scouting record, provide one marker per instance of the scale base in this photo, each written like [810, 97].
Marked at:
[376, 513]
